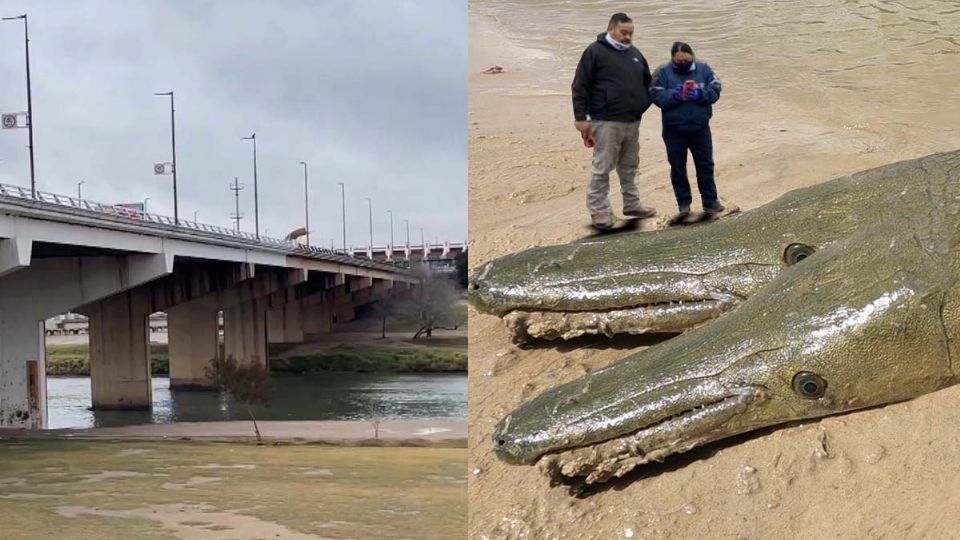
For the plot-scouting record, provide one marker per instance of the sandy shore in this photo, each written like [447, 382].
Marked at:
[334, 431]
[883, 473]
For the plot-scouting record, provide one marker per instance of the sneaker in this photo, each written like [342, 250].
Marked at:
[641, 212]
[713, 208]
[684, 209]
[603, 221]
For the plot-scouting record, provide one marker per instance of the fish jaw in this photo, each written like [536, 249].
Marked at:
[860, 338]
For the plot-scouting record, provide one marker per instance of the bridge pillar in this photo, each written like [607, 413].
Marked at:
[285, 323]
[119, 352]
[245, 332]
[317, 316]
[23, 386]
[193, 341]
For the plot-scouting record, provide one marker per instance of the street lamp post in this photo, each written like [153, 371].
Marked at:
[391, 230]
[306, 203]
[370, 214]
[195, 215]
[423, 244]
[343, 213]
[79, 195]
[145, 205]
[173, 149]
[256, 198]
[407, 221]
[26, 48]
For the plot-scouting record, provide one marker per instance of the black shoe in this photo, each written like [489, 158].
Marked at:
[713, 208]
[684, 209]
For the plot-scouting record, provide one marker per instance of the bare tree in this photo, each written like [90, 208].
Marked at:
[248, 383]
[375, 414]
[436, 305]
[382, 309]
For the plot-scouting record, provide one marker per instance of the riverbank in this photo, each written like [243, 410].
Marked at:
[192, 489]
[448, 433]
[390, 355]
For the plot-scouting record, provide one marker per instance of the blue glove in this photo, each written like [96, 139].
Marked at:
[677, 93]
[694, 94]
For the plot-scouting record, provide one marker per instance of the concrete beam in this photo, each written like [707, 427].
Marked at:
[15, 253]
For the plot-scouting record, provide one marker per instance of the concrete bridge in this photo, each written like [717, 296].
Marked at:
[425, 252]
[117, 266]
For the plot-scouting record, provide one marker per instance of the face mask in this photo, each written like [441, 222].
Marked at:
[682, 67]
[616, 44]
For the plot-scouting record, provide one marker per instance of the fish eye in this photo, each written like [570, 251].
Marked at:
[809, 385]
[796, 253]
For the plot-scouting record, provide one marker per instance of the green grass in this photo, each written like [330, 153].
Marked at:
[374, 358]
[50, 488]
[75, 359]
[359, 358]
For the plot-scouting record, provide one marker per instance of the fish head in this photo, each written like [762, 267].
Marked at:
[674, 279]
[864, 322]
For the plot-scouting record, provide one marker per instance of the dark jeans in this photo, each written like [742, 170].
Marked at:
[700, 144]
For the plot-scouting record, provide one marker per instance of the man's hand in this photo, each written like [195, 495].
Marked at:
[582, 126]
[694, 94]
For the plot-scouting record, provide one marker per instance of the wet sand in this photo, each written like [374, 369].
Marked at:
[883, 473]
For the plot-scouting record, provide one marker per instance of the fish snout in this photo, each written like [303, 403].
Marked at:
[510, 446]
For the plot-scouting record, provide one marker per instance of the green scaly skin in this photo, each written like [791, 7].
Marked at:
[674, 279]
[871, 317]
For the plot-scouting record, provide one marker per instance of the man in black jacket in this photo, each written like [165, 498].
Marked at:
[609, 97]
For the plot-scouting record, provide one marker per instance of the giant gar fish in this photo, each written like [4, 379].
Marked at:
[671, 280]
[868, 317]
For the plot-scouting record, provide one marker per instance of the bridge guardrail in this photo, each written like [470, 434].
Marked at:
[45, 199]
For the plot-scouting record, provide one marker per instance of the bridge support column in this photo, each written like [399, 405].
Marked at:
[317, 315]
[245, 332]
[23, 380]
[285, 323]
[192, 341]
[119, 352]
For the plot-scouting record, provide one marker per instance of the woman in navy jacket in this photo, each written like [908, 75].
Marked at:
[685, 90]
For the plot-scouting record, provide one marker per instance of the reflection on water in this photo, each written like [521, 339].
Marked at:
[331, 396]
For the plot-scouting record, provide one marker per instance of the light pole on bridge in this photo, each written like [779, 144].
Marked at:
[79, 195]
[343, 213]
[306, 203]
[407, 221]
[391, 231]
[173, 149]
[256, 198]
[370, 214]
[26, 48]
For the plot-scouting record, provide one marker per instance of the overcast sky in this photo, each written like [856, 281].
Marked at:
[372, 94]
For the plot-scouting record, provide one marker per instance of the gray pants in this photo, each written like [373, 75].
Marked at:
[617, 146]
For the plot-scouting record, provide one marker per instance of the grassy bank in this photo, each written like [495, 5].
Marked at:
[75, 359]
[360, 358]
[189, 489]
[374, 358]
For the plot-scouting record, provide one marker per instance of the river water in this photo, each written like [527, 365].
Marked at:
[330, 396]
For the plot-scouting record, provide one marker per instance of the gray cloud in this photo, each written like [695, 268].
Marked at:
[372, 94]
